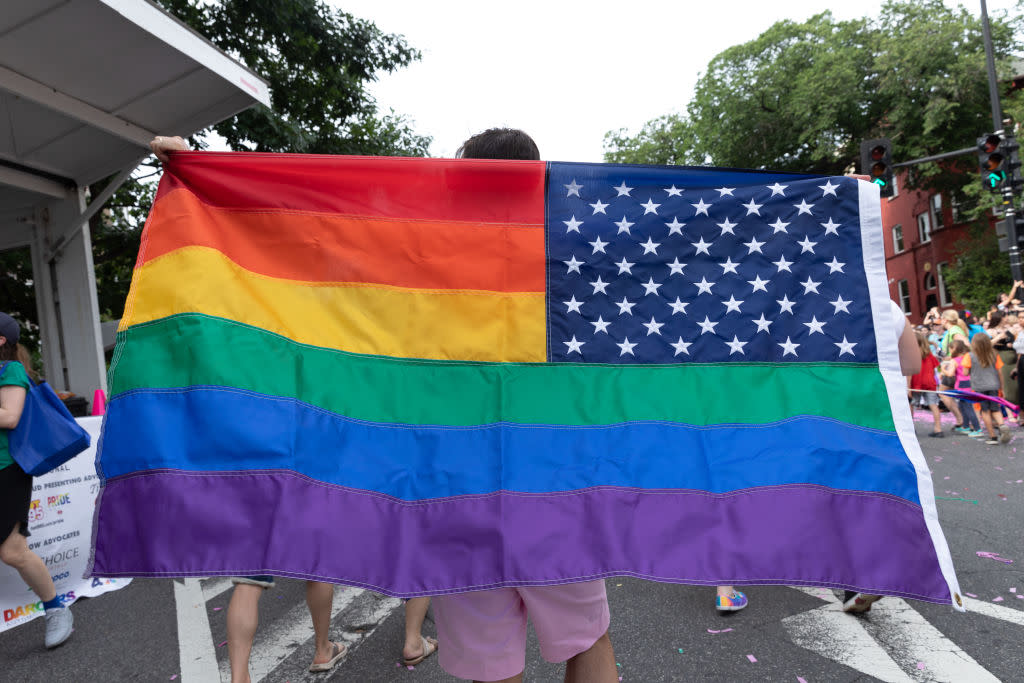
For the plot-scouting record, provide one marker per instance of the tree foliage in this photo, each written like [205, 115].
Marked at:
[979, 271]
[802, 95]
[318, 62]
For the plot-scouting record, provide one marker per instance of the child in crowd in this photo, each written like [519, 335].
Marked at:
[924, 382]
[958, 352]
[984, 366]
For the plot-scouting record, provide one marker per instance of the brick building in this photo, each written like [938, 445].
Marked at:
[921, 232]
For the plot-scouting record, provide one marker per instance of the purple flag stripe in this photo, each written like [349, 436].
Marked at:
[281, 523]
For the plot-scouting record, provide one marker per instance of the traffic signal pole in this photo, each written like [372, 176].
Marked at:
[1009, 189]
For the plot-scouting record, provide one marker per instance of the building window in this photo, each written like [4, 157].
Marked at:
[929, 281]
[944, 298]
[924, 227]
[958, 207]
[895, 188]
[937, 212]
[897, 238]
[904, 289]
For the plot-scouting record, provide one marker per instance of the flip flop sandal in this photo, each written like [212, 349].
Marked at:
[339, 650]
[429, 648]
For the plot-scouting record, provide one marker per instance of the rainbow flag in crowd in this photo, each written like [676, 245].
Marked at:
[423, 376]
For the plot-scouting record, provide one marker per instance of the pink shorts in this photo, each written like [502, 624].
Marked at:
[483, 634]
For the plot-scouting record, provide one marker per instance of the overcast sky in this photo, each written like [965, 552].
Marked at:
[566, 72]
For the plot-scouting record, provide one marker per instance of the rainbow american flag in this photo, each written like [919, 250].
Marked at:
[424, 376]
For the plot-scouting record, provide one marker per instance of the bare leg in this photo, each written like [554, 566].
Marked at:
[415, 613]
[14, 552]
[243, 618]
[937, 417]
[726, 591]
[596, 665]
[952, 407]
[319, 597]
[986, 417]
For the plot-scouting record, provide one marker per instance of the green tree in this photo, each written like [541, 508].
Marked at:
[319, 63]
[979, 271]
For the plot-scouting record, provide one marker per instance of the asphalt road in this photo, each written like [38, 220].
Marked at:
[660, 632]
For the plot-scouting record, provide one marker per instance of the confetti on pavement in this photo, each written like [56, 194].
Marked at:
[752, 658]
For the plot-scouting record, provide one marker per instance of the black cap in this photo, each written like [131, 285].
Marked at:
[9, 328]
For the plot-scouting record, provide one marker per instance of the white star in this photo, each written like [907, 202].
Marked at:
[650, 207]
[759, 284]
[624, 226]
[675, 227]
[785, 304]
[753, 245]
[829, 189]
[722, 191]
[835, 266]
[788, 347]
[727, 226]
[625, 307]
[676, 267]
[701, 207]
[600, 325]
[624, 266]
[752, 207]
[650, 287]
[810, 286]
[599, 207]
[702, 246]
[807, 245]
[650, 246]
[841, 305]
[729, 266]
[600, 285]
[845, 346]
[622, 189]
[598, 246]
[626, 347]
[779, 226]
[674, 191]
[574, 346]
[815, 326]
[573, 306]
[762, 324]
[831, 227]
[679, 306]
[680, 347]
[736, 346]
[782, 264]
[573, 189]
[572, 225]
[653, 327]
[573, 264]
[704, 287]
[732, 304]
[778, 189]
[707, 326]
[803, 207]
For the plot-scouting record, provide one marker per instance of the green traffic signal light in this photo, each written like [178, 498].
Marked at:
[879, 181]
[995, 179]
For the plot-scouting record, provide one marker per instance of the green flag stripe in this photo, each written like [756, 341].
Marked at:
[197, 350]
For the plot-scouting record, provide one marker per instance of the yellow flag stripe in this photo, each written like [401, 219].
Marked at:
[359, 318]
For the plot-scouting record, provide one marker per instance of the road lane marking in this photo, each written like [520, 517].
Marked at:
[196, 655]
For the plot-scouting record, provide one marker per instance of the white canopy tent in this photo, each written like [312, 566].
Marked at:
[84, 86]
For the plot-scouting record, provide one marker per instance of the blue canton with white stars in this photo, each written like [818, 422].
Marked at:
[670, 265]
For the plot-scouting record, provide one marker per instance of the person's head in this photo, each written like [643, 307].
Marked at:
[951, 319]
[981, 345]
[922, 343]
[968, 317]
[1011, 320]
[499, 143]
[995, 319]
[958, 348]
[10, 349]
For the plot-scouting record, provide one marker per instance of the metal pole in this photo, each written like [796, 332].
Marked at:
[1009, 198]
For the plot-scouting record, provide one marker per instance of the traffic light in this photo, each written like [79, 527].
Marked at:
[992, 161]
[876, 161]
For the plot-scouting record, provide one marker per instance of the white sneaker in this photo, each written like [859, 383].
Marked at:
[58, 626]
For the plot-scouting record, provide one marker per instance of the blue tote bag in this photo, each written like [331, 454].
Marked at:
[47, 436]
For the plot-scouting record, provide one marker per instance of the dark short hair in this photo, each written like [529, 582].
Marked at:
[499, 143]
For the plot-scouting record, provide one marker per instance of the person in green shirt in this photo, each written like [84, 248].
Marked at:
[16, 488]
[956, 329]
